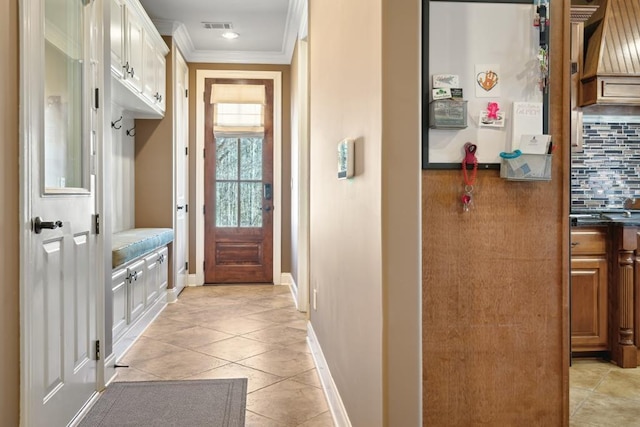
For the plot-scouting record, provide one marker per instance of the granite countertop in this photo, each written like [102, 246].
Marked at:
[611, 217]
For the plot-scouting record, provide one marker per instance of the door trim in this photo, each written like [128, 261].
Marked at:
[179, 61]
[276, 76]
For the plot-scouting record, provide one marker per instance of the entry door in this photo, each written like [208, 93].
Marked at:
[181, 246]
[60, 274]
[239, 199]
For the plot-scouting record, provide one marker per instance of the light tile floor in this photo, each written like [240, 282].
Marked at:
[240, 331]
[602, 394]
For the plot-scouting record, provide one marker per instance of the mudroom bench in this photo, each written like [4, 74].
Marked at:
[138, 281]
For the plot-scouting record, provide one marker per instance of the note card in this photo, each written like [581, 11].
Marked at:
[535, 144]
[527, 120]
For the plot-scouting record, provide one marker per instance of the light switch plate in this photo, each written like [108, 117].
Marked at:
[346, 160]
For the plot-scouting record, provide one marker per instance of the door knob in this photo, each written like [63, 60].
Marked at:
[38, 225]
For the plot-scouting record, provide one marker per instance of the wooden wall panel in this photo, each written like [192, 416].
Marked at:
[495, 288]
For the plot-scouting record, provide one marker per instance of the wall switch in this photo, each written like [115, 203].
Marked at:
[315, 299]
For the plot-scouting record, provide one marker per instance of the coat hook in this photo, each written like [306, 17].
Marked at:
[132, 131]
[113, 124]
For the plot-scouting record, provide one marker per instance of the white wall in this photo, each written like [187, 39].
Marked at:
[346, 255]
[122, 172]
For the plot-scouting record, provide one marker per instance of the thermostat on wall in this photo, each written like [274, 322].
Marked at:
[346, 158]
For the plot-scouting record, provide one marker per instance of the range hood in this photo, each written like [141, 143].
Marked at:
[611, 74]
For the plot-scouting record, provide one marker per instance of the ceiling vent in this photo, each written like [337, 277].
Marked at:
[217, 25]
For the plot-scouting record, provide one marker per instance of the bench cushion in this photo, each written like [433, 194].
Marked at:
[128, 245]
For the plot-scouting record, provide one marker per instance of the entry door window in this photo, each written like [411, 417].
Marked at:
[239, 188]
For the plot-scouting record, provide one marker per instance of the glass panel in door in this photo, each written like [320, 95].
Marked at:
[64, 90]
[239, 182]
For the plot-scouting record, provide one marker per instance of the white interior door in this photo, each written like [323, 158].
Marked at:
[181, 239]
[59, 261]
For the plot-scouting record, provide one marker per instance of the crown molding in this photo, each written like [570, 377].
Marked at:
[178, 31]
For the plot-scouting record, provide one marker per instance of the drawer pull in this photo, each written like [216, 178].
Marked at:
[574, 244]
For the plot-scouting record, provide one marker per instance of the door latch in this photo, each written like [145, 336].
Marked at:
[268, 191]
[37, 224]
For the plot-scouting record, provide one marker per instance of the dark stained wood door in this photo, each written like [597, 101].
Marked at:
[239, 198]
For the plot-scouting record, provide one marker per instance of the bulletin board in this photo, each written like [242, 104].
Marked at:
[467, 39]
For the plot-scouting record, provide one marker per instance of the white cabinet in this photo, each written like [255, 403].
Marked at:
[154, 87]
[137, 60]
[156, 272]
[126, 45]
[163, 272]
[119, 284]
[136, 288]
[117, 32]
[134, 67]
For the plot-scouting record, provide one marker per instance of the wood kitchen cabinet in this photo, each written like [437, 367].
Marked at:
[589, 289]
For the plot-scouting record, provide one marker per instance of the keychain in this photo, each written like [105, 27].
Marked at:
[469, 158]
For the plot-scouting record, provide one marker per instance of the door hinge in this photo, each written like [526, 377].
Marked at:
[204, 97]
[186, 265]
[186, 93]
[98, 350]
[97, 98]
[204, 266]
[204, 209]
[186, 151]
[96, 223]
[203, 153]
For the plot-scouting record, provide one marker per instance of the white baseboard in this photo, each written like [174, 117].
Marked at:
[294, 295]
[338, 411]
[192, 280]
[286, 279]
[172, 295]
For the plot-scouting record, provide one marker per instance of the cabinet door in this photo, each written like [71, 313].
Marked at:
[117, 38]
[161, 79]
[137, 291]
[163, 270]
[149, 75]
[119, 291]
[152, 263]
[589, 304]
[135, 44]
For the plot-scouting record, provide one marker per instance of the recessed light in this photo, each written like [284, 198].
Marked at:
[230, 35]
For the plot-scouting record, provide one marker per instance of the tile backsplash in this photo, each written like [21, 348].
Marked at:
[608, 170]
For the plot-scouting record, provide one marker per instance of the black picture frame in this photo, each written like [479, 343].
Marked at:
[426, 76]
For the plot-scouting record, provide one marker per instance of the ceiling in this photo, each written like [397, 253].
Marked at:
[267, 28]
